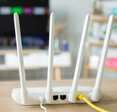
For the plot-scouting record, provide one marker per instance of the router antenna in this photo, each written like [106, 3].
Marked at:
[49, 91]
[73, 90]
[24, 92]
[95, 95]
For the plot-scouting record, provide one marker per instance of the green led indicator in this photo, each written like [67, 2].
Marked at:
[18, 10]
[89, 54]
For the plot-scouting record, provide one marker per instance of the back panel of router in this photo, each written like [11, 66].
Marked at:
[60, 95]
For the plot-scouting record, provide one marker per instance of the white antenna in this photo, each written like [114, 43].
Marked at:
[73, 90]
[96, 90]
[49, 91]
[24, 92]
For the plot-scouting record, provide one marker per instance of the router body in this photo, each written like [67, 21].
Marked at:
[60, 95]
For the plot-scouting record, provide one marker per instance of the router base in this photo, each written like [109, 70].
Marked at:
[60, 95]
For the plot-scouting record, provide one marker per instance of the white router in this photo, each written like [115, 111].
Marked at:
[59, 95]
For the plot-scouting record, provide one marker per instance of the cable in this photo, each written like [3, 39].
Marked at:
[42, 99]
[83, 97]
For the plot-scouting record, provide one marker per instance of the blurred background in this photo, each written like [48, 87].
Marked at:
[69, 15]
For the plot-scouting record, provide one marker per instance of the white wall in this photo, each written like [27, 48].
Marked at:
[73, 12]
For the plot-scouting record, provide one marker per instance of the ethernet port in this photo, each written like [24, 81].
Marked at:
[55, 97]
[62, 97]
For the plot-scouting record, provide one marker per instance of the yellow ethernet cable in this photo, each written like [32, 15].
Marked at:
[83, 97]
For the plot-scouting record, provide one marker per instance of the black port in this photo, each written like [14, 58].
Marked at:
[62, 97]
[55, 97]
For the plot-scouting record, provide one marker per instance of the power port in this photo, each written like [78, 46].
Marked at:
[55, 97]
[62, 97]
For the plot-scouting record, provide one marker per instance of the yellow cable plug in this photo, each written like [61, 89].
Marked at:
[83, 97]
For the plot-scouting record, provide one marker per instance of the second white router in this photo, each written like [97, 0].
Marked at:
[59, 95]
